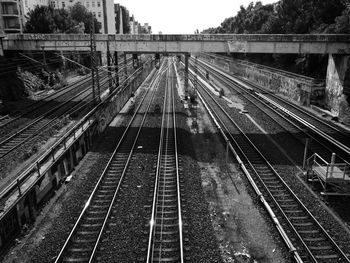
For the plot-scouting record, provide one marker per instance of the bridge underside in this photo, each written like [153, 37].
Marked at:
[277, 44]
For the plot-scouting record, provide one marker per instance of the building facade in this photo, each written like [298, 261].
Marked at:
[102, 9]
[31, 4]
[11, 16]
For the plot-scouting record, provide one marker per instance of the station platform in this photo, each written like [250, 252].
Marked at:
[333, 177]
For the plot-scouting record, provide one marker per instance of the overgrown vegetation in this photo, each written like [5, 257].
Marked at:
[290, 17]
[46, 20]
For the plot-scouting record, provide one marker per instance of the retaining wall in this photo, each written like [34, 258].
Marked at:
[297, 88]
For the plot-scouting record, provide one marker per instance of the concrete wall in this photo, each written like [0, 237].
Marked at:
[295, 87]
[338, 87]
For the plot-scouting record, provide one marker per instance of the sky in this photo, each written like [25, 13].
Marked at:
[183, 16]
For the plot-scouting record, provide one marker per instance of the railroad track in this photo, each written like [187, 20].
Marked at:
[36, 109]
[327, 133]
[311, 240]
[165, 235]
[45, 121]
[83, 240]
[320, 143]
[77, 104]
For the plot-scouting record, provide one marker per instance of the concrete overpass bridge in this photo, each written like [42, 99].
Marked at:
[336, 46]
[220, 43]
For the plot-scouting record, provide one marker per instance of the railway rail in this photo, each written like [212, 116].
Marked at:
[325, 131]
[36, 108]
[311, 240]
[78, 103]
[165, 235]
[83, 240]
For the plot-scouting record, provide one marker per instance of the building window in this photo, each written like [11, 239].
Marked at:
[63, 4]
[88, 4]
[53, 3]
[99, 14]
[93, 3]
[98, 4]
[94, 13]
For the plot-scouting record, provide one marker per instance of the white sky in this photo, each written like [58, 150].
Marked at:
[183, 16]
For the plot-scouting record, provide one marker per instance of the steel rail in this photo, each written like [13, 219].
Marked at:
[164, 153]
[335, 131]
[242, 149]
[52, 96]
[24, 175]
[35, 122]
[71, 87]
[249, 96]
[60, 256]
[12, 139]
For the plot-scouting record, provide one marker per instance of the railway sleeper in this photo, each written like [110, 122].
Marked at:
[166, 249]
[308, 232]
[299, 217]
[88, 232]
[314, 239]
[303, 224]
[79, 249]
[328, 256]
[169, 232]
[293, 211]
[81, 259]
[82, 240]
[94, 218]
[170, 259]
[320, 247]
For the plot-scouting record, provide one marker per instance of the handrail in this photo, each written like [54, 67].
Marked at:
[35, 165]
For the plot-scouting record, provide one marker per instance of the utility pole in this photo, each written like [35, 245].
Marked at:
[109, 68]
[186, 75]
[125, 69]
[94, 68]
[116, 68]
[195, 83]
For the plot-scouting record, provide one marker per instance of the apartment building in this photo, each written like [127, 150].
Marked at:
[102, 9]
[11, 16]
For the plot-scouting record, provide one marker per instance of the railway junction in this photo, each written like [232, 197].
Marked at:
[171, 150]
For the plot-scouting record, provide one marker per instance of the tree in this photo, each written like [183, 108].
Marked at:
[63, 21]
[125, 16]
[80, 14]
[40, 20]
[46, 20]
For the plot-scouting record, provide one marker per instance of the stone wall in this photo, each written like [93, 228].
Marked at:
[338, 87]
[297, 88]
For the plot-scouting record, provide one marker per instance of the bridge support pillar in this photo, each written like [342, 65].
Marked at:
[338, 86]
[110, 82]
[1, 47]
[64, 61]
[103, 57]
[125, 67]
[116, 68]
[186, 75]
[135, 60]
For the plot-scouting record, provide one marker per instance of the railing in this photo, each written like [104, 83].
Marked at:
[341, 171]
[43, 163]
